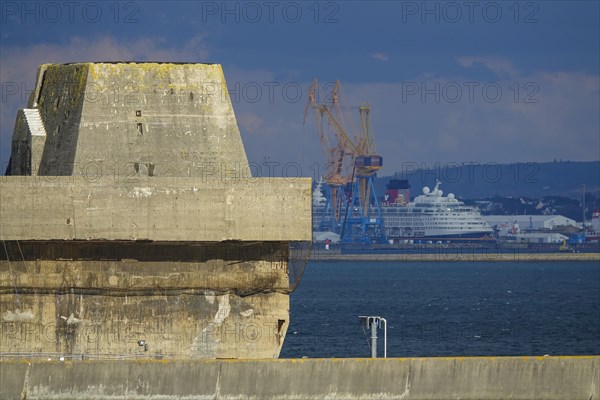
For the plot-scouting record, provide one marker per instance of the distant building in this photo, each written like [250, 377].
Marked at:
[540, 237]
[323, 236]
[528, 222]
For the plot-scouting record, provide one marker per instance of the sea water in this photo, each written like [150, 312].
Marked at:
[447, 309]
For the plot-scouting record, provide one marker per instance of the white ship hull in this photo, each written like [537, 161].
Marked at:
[417, 222]
[429, 216]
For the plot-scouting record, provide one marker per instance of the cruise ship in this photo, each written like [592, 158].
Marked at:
[430, 216]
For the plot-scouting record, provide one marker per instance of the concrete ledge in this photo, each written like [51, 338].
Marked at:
[155, 208]
[566, 377]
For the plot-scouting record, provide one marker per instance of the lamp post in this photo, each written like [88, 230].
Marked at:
[373, 323]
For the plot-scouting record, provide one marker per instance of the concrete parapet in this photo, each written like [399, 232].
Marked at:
[399, 378]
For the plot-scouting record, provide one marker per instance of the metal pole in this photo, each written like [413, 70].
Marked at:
[384, 337]
[583, 205]
[373, 337]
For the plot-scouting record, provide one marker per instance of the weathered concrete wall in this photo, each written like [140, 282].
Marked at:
[60, 100]
[165, 120]
[195, 325]
[155, 208]
[158, 119]
[478, 378]
[203, 300]
[21, 147]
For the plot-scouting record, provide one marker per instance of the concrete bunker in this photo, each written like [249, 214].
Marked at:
[129, 216]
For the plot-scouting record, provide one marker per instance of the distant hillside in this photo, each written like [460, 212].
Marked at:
[535, 180]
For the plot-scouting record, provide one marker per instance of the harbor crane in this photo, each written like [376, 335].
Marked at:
[362, 219]
[333, 176]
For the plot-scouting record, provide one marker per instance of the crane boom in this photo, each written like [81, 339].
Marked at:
[362, 219]
[333, 155]
[318, 114]
[341, 133]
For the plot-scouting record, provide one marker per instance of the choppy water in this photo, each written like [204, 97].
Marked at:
[447, 309]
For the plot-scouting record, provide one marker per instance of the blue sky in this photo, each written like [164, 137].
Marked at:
[447, 81]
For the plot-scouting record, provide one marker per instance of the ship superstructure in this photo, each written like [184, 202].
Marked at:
[433, 215]
[592, 233]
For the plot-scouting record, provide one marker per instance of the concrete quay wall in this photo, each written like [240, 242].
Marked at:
[449, 258]
[563, 377]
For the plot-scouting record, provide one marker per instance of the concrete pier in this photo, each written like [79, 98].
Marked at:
[466, 378]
